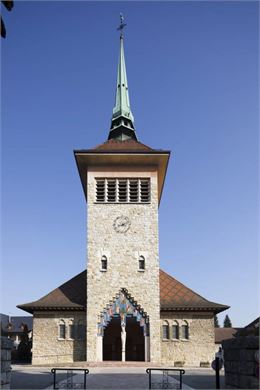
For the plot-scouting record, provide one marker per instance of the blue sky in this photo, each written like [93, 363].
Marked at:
[193, 74]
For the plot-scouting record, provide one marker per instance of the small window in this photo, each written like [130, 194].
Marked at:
[185, 332]
[175, 330]
[165, 331]
[62, 330]
[104, 263]
[71, 330]
[141, 263]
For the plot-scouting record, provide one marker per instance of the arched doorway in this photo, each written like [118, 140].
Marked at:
[123, 330]
[134, 340]
[112, 344]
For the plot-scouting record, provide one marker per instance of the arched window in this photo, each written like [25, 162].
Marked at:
[103, 263]
[185, 331]
[141, 263]
[71, 329]
[165, 330]
[175, 330]
[62, 330]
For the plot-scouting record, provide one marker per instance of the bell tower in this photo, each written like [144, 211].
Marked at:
[122, 181]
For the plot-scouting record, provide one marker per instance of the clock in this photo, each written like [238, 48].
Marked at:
[121, 224]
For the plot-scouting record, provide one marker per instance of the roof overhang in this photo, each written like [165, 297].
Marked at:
[213, 309]
[158, 159]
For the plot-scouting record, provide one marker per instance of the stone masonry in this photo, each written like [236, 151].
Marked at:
[198, 350]
[6, 346]
[240, 362]
[47, 347]
[122, 251]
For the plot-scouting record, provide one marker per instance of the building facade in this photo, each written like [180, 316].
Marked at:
[123, 307]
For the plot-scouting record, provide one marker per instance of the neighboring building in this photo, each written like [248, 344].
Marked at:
[123, 307]
[14, 326]
[222, 334]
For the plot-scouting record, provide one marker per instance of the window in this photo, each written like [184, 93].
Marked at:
[175, 330]
[122, 190]
[165, 331]
[62, 330]
[185, 331]
[141, 263]
[104, 263]
[71, 330]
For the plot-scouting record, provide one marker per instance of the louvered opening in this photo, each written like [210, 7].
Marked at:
[145, 190]
[111, 190]
[100, 190]
[122, 190]
[133, 190]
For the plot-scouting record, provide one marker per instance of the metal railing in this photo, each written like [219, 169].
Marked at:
[68, 382]
[166, 379]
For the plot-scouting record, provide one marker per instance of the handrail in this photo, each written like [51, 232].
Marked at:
[53, 371]
[149, 371]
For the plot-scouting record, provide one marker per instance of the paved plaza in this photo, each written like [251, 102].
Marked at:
[112, 377]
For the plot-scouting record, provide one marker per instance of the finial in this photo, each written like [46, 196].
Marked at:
[122, 25]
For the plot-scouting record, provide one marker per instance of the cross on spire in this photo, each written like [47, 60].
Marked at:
[122, 25]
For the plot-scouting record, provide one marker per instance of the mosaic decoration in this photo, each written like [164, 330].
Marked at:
[123, 306]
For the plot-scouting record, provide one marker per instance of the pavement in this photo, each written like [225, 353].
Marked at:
[111, 377]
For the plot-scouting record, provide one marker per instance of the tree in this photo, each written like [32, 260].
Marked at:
[216, 324]
[8, 5]
[227, 322]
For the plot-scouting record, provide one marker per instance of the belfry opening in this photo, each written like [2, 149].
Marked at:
[123, 330]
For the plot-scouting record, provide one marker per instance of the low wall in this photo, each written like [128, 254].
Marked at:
[6, 346]
[240, 362]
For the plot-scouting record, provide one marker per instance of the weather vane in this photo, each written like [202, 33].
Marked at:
[122, 25]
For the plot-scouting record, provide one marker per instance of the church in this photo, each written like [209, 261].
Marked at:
[123, 307]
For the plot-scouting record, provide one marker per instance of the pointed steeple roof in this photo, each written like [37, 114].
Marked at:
[122, 124]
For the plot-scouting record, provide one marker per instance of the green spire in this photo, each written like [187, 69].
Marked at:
[122, 125]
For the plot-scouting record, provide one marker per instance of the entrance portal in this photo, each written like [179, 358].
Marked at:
[123, 330]
[134, 340]
[112, 345]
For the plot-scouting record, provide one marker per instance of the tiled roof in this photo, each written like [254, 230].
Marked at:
[222, 334]
[127, 146]
[175, 296]
[72, 296]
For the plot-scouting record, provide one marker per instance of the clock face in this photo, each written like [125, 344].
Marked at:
[121, 224]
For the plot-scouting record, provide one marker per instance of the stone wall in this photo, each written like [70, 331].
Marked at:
[199, 349]
[6, 346]
[48, 348]
[122, 251]
[240, 362]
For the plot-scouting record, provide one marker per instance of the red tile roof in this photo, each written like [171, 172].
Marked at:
[117, 146]
[72, 296]
[175, 296]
